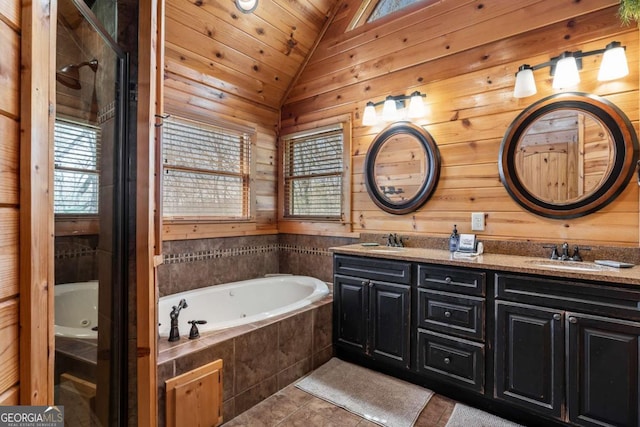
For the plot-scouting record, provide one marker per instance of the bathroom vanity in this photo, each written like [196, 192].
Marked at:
[539, 342]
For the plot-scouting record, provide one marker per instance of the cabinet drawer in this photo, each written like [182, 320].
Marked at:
[451, 279]
[451, 360]
[451, 313]
[567, 294]
[373, 268]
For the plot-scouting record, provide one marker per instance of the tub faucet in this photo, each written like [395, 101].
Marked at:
[174, 334]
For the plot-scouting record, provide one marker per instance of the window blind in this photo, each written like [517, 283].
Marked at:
[206, 171]
[76, 168]
[313, 168]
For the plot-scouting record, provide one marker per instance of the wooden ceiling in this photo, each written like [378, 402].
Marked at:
[211, 45]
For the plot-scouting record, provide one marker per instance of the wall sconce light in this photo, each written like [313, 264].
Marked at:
[564, 69]
[391, 106]
[246, 6]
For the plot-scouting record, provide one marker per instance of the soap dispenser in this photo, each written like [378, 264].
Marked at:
[454, 239]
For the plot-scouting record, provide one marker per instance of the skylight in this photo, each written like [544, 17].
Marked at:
[386, 7]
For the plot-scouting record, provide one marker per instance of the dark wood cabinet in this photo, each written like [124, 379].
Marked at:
[603, 378]
[529, 357]
[450, 310]
[373, 317]
[550, 350]
[548, 358]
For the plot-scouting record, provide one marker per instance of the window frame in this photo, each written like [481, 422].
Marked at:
[75, 224]
[318, 225]
[201, 221]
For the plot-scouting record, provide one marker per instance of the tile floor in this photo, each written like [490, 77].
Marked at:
[294, 407]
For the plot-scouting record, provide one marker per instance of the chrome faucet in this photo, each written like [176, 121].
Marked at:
[565, 252]
[174, 333]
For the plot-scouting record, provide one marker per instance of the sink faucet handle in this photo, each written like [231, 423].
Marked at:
[554, 252]
[576, 253]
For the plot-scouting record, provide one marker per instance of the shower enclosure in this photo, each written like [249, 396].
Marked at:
[90, 375]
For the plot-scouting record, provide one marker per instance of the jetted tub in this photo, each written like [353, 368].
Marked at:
[238, 303]
[76, 309]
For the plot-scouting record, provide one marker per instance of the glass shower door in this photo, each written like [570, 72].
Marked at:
[90, 212]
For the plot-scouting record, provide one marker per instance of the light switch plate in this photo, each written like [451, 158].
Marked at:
[477, 221]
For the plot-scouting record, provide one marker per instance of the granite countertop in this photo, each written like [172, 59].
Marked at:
[493, 261]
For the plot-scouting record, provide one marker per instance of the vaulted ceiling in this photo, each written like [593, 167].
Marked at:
[251, 57]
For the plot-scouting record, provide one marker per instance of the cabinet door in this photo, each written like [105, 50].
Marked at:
[529, 357]
[603, 371]
[351, 312]
[390, 306]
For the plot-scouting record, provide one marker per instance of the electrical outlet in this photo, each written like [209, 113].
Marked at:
[477, 221]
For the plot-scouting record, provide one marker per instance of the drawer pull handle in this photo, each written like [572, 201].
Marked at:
[447, 360]
[447, 279]
[556, 316]
[573, 320]
[447, 314]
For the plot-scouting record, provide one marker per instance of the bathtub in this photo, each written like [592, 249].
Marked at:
[76, 309]
[238, 303]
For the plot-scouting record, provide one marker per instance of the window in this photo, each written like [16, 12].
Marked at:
[386, 7]
[314, 174]
[372, 10]
[76, 168]
[206, 171]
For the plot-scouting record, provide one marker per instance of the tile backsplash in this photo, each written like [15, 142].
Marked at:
[192, 264]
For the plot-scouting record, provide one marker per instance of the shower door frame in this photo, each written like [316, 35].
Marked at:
[36, 266]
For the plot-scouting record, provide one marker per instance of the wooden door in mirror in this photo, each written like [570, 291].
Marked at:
[568, 155]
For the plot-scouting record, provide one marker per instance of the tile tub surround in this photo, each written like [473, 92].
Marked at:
[259, 358]
[192, 264]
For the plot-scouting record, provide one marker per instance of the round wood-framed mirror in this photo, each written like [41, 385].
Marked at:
[402, 168]
[568, 155]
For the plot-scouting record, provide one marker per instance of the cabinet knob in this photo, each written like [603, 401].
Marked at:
[573, 320]
[447, 279]
[557, 316]
[365, 283]
[447, 360]
[447, 314]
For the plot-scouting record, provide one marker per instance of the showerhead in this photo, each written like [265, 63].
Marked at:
[69, 75]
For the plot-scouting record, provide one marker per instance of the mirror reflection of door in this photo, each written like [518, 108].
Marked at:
[400, 168]
[564, 155]
[89, 216]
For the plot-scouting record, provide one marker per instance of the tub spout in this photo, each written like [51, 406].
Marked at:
[174, 334]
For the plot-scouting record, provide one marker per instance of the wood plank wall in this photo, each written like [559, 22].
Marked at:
[464, 54]
[199, 81]
[10, 32]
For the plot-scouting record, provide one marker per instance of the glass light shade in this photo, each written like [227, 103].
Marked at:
[525, 83]
[246, 6]
[369, 117]
[614, 63]
[416, 106]
[389, 112]
[566, 74]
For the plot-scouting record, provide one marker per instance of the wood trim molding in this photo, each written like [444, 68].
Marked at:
[150, 28]
[36, 221]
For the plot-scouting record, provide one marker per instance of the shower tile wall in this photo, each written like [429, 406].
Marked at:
[75, 259]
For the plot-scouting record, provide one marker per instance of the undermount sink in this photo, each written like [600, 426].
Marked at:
[569, 265]
[387, 249]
